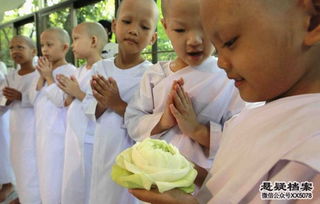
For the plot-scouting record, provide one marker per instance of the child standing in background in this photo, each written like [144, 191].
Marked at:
[163, 109]
[113, 86]
[88, 41]
[17, 92]
[50, 113]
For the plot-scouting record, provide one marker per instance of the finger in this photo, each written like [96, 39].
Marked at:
[97, 87]
[175, 112]
[180, 81]
[182, 95]
[102, 82]
[98, 96]
[73, 78]
[143, 195]
[113, 83]
[177, 101]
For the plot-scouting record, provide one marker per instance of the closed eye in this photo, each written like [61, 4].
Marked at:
[145, 28]
[126, 22]
[230, 42]
[179, 30]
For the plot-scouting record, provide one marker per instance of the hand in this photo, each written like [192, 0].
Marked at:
[12, 94]
[167, 120]
[183, 111]
[70, 86]
[45, 69]
[153, 196]
[68, 100]
[107, 94]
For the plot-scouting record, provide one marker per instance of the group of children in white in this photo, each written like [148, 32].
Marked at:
[67, 125]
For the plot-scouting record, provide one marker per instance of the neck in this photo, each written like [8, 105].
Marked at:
[126, 61]
[26, 68]
[59, 63]
[177, 64]
[92, 59]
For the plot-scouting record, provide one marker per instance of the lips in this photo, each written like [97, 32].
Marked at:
[131, 40]
[238, 81]
[195, 54]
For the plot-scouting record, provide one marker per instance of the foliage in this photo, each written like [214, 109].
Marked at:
[104, 9]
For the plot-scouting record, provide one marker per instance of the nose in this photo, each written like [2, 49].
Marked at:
[133, 30]
[195, 39]
[224, 63]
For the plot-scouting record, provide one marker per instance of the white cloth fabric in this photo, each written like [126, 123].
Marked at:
[111, 136]
[80, 130]
[6, 174]
[110, 50]
[256, 142]
[214, 97]
[23, 143]
[50, 116]
[3, 68]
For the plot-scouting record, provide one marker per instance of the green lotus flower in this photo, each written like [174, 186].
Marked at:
[153, 163]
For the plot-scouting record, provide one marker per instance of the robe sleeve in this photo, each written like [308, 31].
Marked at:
[55, 95]
[235, 105]
[139, 116]
[89, 104]
[2, 85]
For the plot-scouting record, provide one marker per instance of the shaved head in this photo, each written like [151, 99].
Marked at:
[62, 34]
[150, 3]
[97, 30]
[27, 40]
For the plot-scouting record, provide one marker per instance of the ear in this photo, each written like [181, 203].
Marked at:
[114, 25]
[34, 52]
[313, 22]
[94, 41]
[65, 47]
[154, 38]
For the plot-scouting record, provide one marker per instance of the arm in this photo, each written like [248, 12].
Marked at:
[139, 117]
[169, 197]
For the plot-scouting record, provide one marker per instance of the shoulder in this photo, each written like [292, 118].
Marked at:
[307, 152]
[155, 72]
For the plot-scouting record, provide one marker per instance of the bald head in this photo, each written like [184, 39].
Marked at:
[149, 4]
[97, 30]
[62, 34]
[27, 40]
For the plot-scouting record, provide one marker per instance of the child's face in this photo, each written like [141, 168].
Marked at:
[81, 42]
[135, 25]
[259, 47]
[20, 52]
[52, 47]
[183, 27]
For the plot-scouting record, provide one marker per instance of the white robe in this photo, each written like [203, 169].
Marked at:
[23, 143]
[6, 174]
[258, 142]
[111, 136]
[50, 116]
[214, 98]
[79, 133]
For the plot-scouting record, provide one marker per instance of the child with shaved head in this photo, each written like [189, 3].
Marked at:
[89, 39]
[50, 112]
[16, 96]
[268, 154]
[184, 101]
[113, 85]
